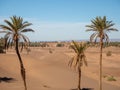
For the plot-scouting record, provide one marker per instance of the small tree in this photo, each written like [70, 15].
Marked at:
[79, 59]
[14, 30]
[100, 26]
[60, 45]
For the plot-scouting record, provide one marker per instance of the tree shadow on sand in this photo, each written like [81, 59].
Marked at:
[46, 86]
[82, 89]
[6, 79]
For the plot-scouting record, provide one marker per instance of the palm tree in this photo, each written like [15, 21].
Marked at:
[101, 27]
[79, 59]
[14, 30]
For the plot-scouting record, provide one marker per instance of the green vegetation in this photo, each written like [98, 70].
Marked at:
[2, 45]
[100, 26]
[60, 45]
[111, 78]
[14, 30]
[2, 40]
[39, 44]
[96, 44]
[34, 44]
[44, 45]
[1, 50]
[116, 44]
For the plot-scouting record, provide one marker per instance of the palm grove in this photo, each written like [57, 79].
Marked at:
[15, 28]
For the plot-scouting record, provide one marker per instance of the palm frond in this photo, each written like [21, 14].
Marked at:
[5, 27]
[25, 24]
[10, 25]
[3, 32]
[77, 60]
[93, 36]
[75, 46]
[112, 29]
[22, 46]
[106, 38]
[27, 30]
[96, 38]
[8, 43]
[25, 38]
[71, 61]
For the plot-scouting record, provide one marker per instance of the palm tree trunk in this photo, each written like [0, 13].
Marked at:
[100, 66]
[79, 81]
[23, 74]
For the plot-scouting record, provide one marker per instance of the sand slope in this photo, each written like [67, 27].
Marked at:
[45, 71]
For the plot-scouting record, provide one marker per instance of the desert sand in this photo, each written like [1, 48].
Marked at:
[50, 71]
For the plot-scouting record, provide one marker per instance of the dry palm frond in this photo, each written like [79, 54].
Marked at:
[79, 59]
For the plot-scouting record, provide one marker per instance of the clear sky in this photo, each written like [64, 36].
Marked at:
[61, 19]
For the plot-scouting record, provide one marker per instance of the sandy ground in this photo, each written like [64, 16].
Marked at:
[50, 71]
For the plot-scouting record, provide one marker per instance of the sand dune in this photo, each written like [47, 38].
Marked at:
[49, 71]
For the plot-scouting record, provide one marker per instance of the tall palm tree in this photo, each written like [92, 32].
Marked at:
[79, 59]
[101, 27]
[14, 30]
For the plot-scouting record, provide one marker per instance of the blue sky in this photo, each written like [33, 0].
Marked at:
[61, 19]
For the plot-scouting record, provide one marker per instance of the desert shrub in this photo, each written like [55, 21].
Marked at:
[116, 44]
[1, 49]
[109, 53]
[111, 78]
[50, 50]
[44, 45]
[60, 45]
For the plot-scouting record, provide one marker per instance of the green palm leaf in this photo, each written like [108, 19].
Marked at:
[27, 30]
[6, 27]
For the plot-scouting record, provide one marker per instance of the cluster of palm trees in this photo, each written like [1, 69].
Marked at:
[100, 26]
[15, 28]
